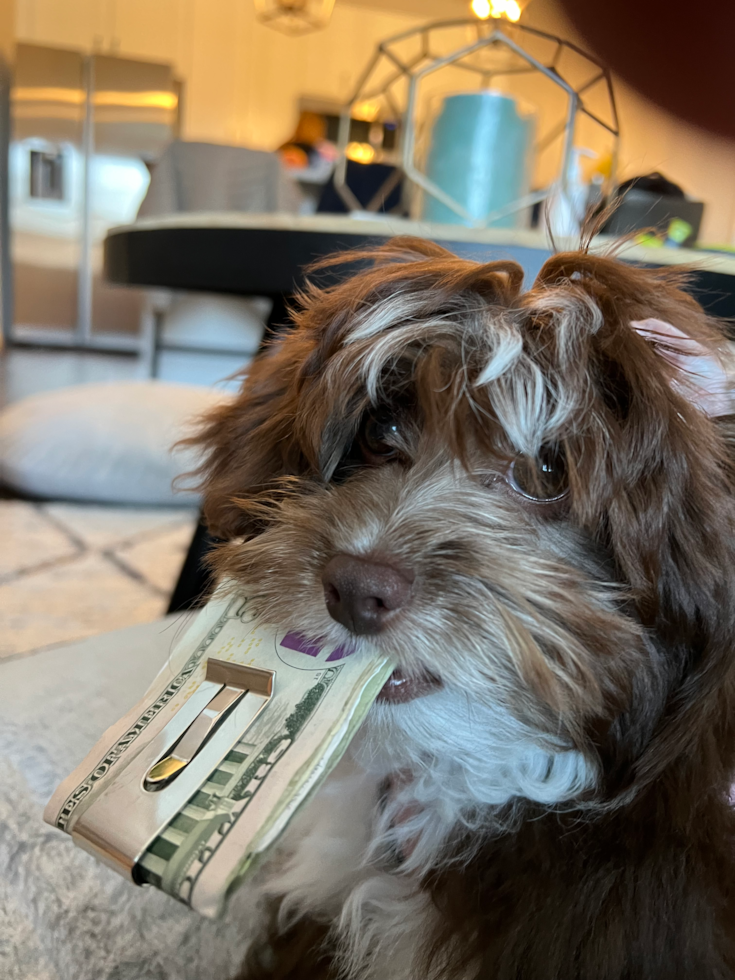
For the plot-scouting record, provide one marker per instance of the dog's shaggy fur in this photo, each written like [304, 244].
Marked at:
[557, 807]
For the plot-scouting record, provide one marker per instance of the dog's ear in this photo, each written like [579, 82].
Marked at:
[248, 445]
[651, 470]
[703, 377]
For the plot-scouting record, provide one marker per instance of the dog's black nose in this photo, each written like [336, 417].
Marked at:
[362, 594]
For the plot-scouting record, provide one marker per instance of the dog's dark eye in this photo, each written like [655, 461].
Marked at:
[378, 437]
[540, 478]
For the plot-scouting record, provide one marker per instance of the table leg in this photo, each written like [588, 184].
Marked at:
[196, 581]
[278, 318]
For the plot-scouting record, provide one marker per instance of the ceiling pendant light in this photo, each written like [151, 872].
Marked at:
[506, 9]
[294, 16]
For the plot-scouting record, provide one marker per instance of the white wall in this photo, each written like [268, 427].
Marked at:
[7, 26]
[652, 139]
[243, 80]
[703, 164]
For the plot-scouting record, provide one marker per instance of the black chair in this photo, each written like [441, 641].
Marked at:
[368, 183]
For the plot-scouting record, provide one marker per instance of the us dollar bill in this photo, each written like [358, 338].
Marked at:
[205, 833]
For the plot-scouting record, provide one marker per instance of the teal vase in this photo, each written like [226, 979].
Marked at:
[480, 154]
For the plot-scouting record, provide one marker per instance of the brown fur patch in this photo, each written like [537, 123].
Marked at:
[300, 952]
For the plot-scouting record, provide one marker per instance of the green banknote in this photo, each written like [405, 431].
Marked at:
[204, 832]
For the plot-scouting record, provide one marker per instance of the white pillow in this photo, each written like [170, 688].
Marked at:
[110, 442]
[233, 323]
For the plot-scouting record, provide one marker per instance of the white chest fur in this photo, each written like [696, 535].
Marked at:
[450, 762]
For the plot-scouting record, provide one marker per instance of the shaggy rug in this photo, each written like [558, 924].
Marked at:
[63, 916]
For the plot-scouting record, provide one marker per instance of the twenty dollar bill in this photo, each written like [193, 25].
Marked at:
[199, 835]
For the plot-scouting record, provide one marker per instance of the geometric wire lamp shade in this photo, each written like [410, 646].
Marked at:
[409, 71]
[294, 16]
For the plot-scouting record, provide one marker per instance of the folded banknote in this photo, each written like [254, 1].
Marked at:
[191, 788]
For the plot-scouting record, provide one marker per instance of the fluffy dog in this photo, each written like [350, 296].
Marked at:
[518, 497]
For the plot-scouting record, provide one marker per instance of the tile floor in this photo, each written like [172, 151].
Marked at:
[68, 571]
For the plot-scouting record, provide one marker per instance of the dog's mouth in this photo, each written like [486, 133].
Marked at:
[400, 687]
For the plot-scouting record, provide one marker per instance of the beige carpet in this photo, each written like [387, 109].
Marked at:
[68, 571]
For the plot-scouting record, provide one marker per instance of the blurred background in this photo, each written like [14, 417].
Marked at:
[168, 169]
[100, 88]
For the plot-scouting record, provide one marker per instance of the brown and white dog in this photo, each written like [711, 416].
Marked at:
[519, 497]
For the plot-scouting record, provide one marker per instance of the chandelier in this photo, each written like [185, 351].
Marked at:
[508, 9]
[294, 16]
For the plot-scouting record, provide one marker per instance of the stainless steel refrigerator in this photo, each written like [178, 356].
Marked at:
[84, 132]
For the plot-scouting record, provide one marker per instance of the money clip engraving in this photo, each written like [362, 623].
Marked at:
[234, 682]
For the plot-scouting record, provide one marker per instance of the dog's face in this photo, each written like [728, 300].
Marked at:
[502, 491]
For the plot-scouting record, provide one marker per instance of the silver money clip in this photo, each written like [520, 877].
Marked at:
[233, 682]
[137, 805]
